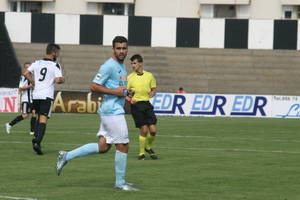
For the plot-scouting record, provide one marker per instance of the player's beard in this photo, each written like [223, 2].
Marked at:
[121, 60]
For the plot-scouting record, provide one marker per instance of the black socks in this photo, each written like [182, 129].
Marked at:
[32, 123]
[39, 133]
[16, 120]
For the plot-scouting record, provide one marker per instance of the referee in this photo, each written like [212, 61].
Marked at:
[142, 84]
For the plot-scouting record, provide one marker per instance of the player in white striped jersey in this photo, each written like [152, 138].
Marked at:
[46, 72]
[25, 89]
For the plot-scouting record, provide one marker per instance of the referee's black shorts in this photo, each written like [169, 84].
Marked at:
[43, 106]
[143, 113]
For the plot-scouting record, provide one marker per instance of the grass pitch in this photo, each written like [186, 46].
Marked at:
[199, 158]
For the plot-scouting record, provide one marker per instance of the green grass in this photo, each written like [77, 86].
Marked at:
[200, 158]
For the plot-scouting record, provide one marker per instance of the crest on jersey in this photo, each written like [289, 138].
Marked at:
[98, 76]
[124, 78]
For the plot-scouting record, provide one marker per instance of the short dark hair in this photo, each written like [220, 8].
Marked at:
[137, 57]
[51, 48]
[119, 39]
[27, 63]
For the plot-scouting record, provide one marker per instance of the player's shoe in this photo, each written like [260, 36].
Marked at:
[151, 153]
[37, 148]
[61, 161]
[31, 133]
[141, 157]
[7, 128]
[126, 187]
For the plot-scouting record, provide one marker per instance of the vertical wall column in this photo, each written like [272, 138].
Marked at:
[187, 33]
[91, 29]
[42, 28]
[236, 33]
[285, 34]
[139, 31]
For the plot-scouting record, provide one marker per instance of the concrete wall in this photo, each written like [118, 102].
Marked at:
[254, 9]
[4, 5]
[167, 8]
[262, 34]
[67, 29]
[120, 27]
[215, 71]
[18, 26]
[266, 9]
[154, 31]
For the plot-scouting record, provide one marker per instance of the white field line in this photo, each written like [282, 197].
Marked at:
[236, 150]
[16, 198]
[172, 148]
[229, 138]
[181, 136]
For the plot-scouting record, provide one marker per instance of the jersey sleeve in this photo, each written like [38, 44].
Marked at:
[31, 67]
[58, 65]
[21, 83]
[57, 72]
[102, 75]
[152, 82]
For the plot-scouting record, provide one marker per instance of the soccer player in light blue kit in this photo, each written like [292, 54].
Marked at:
[109, 81]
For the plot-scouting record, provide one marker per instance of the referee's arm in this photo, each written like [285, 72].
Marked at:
[152, 92]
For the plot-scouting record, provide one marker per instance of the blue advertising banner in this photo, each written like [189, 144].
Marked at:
[220, 105]
[226, 105]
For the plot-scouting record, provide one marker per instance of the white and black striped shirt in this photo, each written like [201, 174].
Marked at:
[44, 71]
[26, 95]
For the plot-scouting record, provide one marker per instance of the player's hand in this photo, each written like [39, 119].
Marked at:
[133, 101]
[130, 93]
[121, 91]
[151, 94]
[128, 98]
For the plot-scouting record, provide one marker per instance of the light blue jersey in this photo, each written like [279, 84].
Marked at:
[111, 75]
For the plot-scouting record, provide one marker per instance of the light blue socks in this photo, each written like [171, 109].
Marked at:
[120, 167]
[92, 148]
[85, 150]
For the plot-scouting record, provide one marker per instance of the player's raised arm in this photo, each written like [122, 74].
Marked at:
[59, 80]
[28, 75]
[94, 87]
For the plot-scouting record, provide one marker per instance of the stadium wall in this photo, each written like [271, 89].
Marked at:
[10, 69]
[153, 31]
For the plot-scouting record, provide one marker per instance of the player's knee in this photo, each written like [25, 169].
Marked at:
[153, 133]
[122, 147]
[104, 148]
[25, 116]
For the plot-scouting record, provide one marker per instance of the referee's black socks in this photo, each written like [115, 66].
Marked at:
[16, 120]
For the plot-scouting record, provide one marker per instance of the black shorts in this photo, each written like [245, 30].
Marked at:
[143, 113]
[26, 108]
[43, 106]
